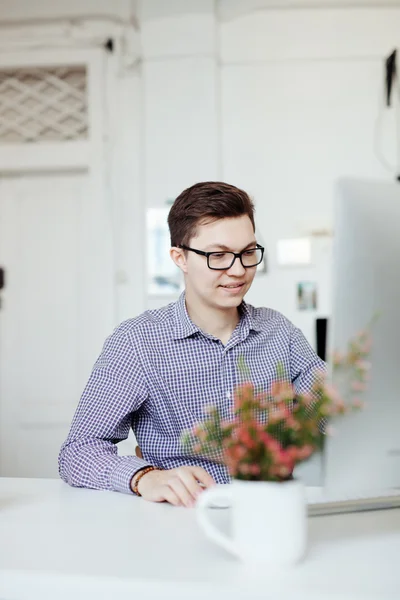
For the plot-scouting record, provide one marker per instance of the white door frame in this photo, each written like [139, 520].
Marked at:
[75, 155]
[97, 311]
[58, 155]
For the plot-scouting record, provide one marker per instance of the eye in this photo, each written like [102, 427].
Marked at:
[250, 252]
[218, 255]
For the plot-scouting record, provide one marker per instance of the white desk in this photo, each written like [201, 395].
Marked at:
[59, 543]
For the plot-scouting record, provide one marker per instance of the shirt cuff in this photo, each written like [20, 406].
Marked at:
[122, 475]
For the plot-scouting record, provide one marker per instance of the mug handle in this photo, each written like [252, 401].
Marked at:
[204, 501]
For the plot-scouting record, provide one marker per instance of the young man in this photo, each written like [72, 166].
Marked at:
[159, 371]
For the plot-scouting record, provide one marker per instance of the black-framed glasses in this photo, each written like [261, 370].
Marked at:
[221, 261]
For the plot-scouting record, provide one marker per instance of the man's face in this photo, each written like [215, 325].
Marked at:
[220, 289]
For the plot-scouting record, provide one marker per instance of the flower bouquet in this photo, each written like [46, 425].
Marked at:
[269, 433]
[266, 435]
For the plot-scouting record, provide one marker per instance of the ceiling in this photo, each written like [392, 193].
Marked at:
[229, 9]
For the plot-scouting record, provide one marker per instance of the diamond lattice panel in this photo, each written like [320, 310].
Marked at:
[43, 105]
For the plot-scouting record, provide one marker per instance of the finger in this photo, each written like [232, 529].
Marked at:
[180, 489]
[190, 481]
[170, 496]
[202, 476]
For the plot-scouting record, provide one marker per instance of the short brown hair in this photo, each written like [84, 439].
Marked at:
[209, 201]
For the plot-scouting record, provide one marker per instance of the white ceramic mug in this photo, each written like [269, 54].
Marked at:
[269, 520]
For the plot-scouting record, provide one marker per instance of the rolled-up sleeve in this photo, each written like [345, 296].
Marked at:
[305, 364]
[115, 390]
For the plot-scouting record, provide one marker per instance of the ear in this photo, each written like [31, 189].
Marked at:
[179, 258]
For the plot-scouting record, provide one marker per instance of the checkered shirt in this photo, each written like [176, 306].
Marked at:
[156, 374]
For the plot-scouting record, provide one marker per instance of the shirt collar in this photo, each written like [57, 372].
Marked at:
[184, 326]
[249, 320]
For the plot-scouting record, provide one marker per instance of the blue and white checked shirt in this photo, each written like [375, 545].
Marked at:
[156, 374]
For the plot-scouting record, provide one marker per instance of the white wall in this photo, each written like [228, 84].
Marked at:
[280, 102]
[283, 103]
[181, 99]
[301, 97]
[12, 11]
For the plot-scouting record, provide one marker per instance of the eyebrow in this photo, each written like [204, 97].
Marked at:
[222, 247]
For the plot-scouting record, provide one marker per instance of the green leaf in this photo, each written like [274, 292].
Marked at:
[243, 368]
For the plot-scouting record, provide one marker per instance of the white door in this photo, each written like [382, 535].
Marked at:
[57, 304]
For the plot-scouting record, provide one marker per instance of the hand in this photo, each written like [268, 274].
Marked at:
[179, 487]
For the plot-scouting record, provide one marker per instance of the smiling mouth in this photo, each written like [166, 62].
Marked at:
[233, 287]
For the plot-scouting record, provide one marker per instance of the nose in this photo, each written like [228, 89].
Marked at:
[237, 268]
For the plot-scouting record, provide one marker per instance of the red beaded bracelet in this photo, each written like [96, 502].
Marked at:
[139, 476]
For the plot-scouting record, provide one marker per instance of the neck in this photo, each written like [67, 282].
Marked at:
[217, 322]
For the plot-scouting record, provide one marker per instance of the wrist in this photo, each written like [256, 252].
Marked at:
[146, 481]
[139, 475]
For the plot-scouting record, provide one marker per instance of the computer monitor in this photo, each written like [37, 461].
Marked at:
[363, 454]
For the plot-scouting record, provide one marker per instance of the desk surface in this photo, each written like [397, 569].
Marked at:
[60, 542]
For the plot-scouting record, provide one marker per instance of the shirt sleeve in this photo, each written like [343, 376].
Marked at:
[305, 364]
[116, 389]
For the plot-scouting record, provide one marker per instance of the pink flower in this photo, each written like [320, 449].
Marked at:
[338, 405]
[320, 376]
[358, 403]
[337, 358]
[235, 452]
[285, 459]
[365, 348]
[363, 365]
[291, 423]
[292, 452]
[244, 469]
[305, 451]
[227, 424]
[333, 393]
[255, 470]
[243, 393]
[250, 434]
[244, 437]
[328, 410]
[358, 386]
[307, 399]
[231, 464]
[280, 413]
[281, 471]
[340, 409]
[282, 390]
[364, 342]
[201, 434]
[239, 452]
[269, 442]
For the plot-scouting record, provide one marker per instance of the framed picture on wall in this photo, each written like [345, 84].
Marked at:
[307, 295]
